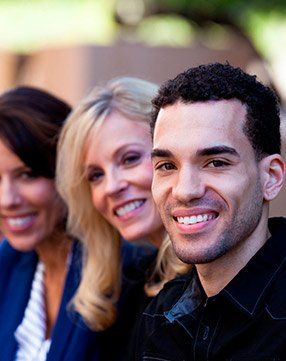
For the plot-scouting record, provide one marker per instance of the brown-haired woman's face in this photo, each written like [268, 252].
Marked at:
[119, 170]
[29, 206]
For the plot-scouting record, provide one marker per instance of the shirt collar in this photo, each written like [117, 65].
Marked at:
[190, 300]
[186, 310]
[247, 288]
[250, 285]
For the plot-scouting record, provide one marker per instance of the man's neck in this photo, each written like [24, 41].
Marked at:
[214, 276]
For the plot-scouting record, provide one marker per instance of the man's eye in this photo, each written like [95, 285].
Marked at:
[218, 163]
[165, 166]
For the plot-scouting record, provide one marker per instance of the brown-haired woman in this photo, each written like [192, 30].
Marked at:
[40, 263]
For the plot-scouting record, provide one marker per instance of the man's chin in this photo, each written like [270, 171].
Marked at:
[198, 257]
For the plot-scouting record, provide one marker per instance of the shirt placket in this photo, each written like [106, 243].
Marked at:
[207, 327]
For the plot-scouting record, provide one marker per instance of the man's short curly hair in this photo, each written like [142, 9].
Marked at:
[222, 81]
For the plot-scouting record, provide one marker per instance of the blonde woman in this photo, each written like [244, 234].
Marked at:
[104, 173]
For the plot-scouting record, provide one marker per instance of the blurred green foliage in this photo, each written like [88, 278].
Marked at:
[32, 24]
[258, 21]
[168, 30]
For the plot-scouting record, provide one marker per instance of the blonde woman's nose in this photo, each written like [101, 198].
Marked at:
[115, 183]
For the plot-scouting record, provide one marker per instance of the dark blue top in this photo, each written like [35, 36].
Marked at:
[72, 340]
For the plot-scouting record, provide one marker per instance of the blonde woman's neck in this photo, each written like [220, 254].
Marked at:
[157, 237]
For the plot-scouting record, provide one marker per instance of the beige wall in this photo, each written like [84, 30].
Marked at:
[9, 63]
[71, 73]
[278, 206]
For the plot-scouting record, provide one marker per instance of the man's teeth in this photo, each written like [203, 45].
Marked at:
[128, 208]
[196, 219]
[19, 221]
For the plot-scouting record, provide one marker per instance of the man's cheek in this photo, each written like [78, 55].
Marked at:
[159, 200]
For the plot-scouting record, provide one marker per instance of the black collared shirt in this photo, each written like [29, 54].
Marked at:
[246, 321]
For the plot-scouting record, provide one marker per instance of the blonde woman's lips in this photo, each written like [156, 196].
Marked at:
[129, 207]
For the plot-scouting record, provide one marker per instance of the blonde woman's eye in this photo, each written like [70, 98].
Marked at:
[131, 158]
[94, 176]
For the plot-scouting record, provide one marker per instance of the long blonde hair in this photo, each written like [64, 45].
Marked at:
[99, 289]
[167, 267]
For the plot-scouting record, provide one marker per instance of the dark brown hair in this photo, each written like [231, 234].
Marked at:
[222, 81]
[30, 122]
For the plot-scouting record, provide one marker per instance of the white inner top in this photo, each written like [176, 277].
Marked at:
[31, 333]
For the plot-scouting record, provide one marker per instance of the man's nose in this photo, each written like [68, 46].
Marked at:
[189, 185]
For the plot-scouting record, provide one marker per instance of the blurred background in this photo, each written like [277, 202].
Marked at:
[68, 46]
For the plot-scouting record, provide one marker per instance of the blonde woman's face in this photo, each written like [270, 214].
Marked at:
[119, 170]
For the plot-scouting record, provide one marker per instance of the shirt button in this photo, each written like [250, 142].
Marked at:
[206, 333]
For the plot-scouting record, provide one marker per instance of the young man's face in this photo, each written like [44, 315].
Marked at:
[206, 182]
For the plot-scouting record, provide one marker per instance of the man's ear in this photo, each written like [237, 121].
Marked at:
[273, 170]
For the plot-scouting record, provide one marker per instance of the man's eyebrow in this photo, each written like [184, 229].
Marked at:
[162, 153]
[220, 149]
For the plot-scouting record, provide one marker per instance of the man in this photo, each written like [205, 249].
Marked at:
[217, 165]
